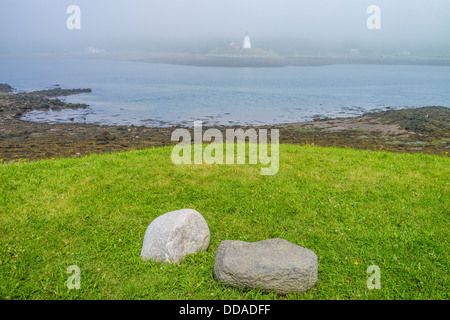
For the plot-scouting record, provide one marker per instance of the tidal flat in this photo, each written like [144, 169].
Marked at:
[412, 130]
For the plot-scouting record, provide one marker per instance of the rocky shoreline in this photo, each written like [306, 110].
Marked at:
[411, 130]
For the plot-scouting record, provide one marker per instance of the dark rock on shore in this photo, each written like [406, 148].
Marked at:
[58, 92]
[6, 88]
[105, 136]
[16, 104]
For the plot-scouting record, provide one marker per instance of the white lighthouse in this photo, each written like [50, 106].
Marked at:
[247, 44]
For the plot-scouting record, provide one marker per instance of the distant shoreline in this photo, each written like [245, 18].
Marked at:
[255, 61]
[280, 61]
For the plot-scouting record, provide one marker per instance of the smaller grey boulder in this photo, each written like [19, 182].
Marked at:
[173, 235]
[273, 265]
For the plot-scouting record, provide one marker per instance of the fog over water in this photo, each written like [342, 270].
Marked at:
[285, 26]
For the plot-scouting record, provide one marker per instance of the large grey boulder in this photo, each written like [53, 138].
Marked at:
[274, 265]
[172, 236]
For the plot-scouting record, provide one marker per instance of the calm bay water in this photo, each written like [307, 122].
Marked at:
[136, 93]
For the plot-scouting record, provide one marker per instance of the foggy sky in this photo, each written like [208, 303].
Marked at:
[144, 24]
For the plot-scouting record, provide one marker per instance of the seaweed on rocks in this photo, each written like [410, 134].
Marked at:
[434, 120]
[6, 88]
[16, 104]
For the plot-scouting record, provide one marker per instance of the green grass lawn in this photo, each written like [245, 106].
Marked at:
[353, 208]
